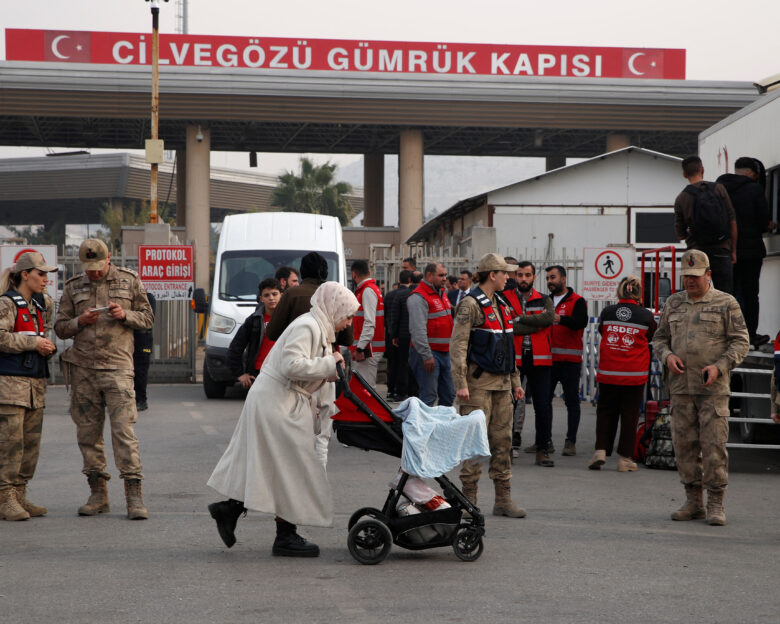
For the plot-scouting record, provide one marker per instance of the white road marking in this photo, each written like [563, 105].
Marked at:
[209, 430]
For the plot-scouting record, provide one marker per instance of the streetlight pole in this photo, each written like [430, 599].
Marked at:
[154, 148]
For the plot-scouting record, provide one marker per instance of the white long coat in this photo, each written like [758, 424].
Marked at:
[270, 463]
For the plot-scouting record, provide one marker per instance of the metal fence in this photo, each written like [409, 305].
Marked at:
[173, 351]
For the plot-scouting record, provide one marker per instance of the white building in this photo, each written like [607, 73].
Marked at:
[622, 197]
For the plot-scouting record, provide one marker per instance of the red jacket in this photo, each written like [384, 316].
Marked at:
[378, 340]
[440, 322]
[541, 345]
[567, 342]
[624, 355]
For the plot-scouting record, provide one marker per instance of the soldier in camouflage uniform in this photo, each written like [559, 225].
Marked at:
[484, 375]
[100, 309]
[25, 319]
[701, 337]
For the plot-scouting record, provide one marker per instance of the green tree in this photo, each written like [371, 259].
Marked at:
[113, 217]
[313, 190]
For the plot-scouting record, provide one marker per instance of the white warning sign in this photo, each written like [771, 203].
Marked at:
[604, 267]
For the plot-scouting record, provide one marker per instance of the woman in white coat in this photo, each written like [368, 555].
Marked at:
[270, 464]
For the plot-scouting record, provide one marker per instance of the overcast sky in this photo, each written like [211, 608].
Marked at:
[725, 40]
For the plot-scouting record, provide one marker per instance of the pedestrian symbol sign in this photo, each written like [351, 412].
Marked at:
[603, 270]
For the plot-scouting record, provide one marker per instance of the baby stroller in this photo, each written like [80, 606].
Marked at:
[366, 421]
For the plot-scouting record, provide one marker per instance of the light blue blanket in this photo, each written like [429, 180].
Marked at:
[436, 439]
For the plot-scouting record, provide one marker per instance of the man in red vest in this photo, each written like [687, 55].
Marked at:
[533, 315]
[368, 324]
[569, 322]
[430, 325]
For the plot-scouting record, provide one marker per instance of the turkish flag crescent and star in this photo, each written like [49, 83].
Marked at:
[647, 63]
[70, 46]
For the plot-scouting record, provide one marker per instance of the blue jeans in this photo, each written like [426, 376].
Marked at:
[437, 383]
[568, 373]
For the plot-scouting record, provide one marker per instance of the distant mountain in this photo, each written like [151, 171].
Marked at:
[448, 179]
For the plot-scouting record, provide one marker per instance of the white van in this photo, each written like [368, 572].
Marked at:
[251, 248]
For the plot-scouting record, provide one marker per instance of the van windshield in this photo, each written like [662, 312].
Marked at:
[241, 271]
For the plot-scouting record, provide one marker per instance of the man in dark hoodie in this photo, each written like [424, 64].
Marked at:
[753, 219]
[296, 300]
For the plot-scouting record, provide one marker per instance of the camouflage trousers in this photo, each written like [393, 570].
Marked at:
[20, 444]
[497, 405]
[93, 392]
[700, 430]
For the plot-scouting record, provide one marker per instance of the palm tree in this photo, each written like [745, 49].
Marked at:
[313, 191]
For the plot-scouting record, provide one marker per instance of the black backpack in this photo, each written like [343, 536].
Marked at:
[710, 217]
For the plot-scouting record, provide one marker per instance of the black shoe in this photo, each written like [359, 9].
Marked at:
[400, 398]
[226, 514]
[760, 339]
[293, 545]
[141, 406]
[517, 441]
[391, 397]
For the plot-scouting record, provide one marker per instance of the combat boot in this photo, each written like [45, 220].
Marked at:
[693, 509]
[32, 509]
[504, 505]
[97, 503]
[226, 513]
[10, 509]
[135, 501]
[470, 492]
[716, 515]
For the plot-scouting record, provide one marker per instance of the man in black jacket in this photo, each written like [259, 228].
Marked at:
[753, 219]
[250, 345]
[405, 385]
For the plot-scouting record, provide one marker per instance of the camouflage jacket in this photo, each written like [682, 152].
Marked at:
[467, 315]
[708, 331]
[108, 344]
[26, 392]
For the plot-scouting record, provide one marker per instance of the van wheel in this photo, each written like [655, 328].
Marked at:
[213, 389]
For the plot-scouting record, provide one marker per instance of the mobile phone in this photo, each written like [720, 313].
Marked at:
[100, 309]
[705, 375]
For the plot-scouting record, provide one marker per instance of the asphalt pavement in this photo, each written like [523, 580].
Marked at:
[596, 547]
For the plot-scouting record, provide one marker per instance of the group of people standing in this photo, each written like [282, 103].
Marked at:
[99, 309]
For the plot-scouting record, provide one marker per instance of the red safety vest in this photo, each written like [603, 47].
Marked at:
[566, 343]
[490, 344]
[440, 323]
[378, 339]
[28, 363]
[541, 345]
[624, 354]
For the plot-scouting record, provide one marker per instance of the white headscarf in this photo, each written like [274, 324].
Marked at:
[330, 304]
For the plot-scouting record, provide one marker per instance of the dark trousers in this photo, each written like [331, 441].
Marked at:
[405, 383]
[539, 385]
[391, 355]
[568, 374]
[722, 268]
[746, 277]
[618, 404]
[141, 360]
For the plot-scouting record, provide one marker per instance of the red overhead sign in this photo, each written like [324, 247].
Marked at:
[70, 46]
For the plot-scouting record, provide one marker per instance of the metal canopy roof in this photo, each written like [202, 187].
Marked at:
[74, 105]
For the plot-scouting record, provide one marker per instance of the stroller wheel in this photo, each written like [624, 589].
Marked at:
[361, 513]
[468, 544]
[369, 541]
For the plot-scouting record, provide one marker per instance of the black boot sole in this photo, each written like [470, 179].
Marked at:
[284, 552]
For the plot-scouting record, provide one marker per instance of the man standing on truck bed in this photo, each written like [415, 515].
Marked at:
[705, 219]
[701, 337]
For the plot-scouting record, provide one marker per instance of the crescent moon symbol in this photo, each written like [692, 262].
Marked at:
[59, 38]
[631, 67]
